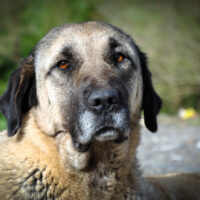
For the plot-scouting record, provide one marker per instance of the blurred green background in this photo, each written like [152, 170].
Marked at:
[168, 31]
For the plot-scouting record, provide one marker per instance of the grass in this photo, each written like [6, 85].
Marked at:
[2, 123]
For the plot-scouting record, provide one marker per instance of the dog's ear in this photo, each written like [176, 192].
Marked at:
[151, 102]
[20, 95]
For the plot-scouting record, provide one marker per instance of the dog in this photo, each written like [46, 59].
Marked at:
[73, 109]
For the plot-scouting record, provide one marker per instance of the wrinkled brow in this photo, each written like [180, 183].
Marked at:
[113, 43]
[67, 51]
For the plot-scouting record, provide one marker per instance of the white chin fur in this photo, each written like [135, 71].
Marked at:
[87, 124]
[87, 121]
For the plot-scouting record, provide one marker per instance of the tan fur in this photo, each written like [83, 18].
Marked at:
[41, 163]
[43, 157]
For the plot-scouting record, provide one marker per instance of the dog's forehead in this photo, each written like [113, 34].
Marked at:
[79, 33]
[88, 39]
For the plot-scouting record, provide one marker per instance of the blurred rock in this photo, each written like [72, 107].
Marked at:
[174, 148]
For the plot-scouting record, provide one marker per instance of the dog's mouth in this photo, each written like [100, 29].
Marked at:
[107, 133]
[102, 135]
[92, 129]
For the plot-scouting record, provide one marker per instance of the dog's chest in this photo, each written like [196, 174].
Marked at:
[107, 182]
[105, 185]
[43, 184]
[102, 183]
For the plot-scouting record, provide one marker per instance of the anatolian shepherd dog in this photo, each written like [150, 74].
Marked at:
[73, 109]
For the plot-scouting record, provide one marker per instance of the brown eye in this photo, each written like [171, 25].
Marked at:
[119, 58]
[64, 64]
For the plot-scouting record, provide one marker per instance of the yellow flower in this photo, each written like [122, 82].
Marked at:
[187, 113]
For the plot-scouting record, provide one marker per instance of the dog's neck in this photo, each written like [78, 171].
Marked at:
[108, 169]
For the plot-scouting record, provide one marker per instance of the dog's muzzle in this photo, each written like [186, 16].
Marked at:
[105, 118]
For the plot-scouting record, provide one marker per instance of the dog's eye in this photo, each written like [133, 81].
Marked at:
[64, 64]
[119, 58]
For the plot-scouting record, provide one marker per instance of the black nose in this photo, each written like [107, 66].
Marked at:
[104, 100]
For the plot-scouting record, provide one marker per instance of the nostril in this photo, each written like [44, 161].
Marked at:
[113, 100]
[103, 100]
[96, 102]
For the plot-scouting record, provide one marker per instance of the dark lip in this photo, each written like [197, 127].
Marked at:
[105, 129]
[107, 133]
[84, 147]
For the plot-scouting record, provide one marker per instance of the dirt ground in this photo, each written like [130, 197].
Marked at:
[174, 148]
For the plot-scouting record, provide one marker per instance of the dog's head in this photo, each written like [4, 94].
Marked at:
[90, 80]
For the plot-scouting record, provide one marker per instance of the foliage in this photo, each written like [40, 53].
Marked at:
[2, 122]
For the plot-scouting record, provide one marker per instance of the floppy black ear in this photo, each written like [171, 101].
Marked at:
[20, 95]
[151, 103]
